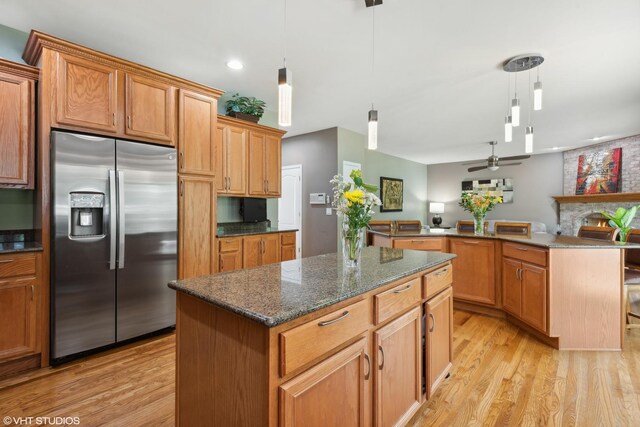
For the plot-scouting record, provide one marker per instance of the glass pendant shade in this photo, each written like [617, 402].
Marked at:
[515, 112]
[508, 129]
[528, 140]
[537, 96]
[373, 130]
[284, 97]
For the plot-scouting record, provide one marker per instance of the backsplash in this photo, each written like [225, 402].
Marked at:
[16, 209]
[11, 236]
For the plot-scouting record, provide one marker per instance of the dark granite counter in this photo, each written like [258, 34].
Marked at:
[234, 232]
[13, 247]
[277, 293]
[545, 240]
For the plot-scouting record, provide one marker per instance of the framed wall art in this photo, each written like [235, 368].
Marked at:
[599, 172]
[391, 194]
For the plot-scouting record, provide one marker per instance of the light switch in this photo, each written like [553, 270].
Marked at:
[328, 211]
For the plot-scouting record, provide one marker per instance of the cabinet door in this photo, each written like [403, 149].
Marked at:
[474, 270]
[87, 94]
[332, 393]
[236, 167]
[398, 369]
[439, 311]
[150, 109]
[511, 286]
[273, 165]
[534, 296]
[221, 160]
[197, 141]
[270, 248]
[17, 131]
[251, 251]
[230, 261]
[17, 317]
[287, 253]
[197, 226]
[257, 179]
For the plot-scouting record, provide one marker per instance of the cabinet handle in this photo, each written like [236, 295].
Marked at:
[114, 118]
[521, 249]
[442, 272]
[399, 291]
[181, 160]
[433, 322]
[6, 261]
[181, 188]
[32, 293]
[129, 122]
[470, 242]
[337, 319]
[366, 376]
[381, 358]
[267, 187]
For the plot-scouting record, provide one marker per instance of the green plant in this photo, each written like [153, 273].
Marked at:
[245, 105]
[621, 220]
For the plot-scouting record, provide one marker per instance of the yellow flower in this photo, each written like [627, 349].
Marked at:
[354, 196]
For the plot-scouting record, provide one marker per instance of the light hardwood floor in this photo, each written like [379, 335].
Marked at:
[501, 376]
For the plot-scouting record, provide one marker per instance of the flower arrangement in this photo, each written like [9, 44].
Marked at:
[354, 202]
[479, 206]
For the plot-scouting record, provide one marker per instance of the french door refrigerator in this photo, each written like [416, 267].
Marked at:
[114, 241]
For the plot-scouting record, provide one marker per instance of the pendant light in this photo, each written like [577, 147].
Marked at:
[508, 127]
[285, 89]
[515, 107]
[537, 93]
[372, 131]
[528, 133]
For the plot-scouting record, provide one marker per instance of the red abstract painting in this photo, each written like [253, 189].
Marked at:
[599, 172]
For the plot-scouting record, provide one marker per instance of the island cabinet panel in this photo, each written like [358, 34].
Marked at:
[197, 226]
[398, 378]
[474, 270]
[439, 339]
[332, 393]
[391, 302]
[87, 94]
[197, 134]
[17, 128]
[534, 296]
[150, 109]
[511, 286]
[301, 345]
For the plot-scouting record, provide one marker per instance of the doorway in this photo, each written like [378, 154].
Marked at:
[290, 203]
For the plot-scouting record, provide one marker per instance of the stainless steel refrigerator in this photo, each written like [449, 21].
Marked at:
[114, 241]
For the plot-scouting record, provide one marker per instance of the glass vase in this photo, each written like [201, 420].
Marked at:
[352, 244]
[478, 225]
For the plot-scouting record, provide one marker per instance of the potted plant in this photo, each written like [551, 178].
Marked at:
[621, 220]
[245, 108]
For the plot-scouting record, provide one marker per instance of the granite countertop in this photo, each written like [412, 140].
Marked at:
[545, 240]
[250, 231]
[277, 293]
[13, 247]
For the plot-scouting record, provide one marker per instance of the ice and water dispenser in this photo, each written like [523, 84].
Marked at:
[86, 219]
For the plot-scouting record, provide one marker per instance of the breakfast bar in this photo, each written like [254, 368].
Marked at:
[309, 342]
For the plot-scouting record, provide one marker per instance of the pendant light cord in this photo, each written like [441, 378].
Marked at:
[530, 101]
[285, 33]
[373, 51]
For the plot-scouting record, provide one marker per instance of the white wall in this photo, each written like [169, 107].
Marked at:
[535, 181]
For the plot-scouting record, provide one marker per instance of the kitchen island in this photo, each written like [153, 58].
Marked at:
[309, 343]
[567, 291]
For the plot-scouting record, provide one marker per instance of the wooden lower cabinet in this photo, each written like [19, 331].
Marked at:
[397, 370]
[511, 286]
[474, 269]
[288, 246]
[439, 339]
[270, 249]
[260, 249]
[332, 393]
[17, 317]
[421, 244]
[524, 292]
[229, 254]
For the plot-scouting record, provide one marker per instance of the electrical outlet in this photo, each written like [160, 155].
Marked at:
[328, 212]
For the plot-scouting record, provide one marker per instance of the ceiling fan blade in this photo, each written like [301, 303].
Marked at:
[526, 156]
[510, 164]
[475, 162]
[477, 168]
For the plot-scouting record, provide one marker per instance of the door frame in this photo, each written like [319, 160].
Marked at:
[299, 232]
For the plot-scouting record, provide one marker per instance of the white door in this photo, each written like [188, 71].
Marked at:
[290, 204]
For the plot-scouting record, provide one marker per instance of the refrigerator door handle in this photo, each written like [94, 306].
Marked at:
[113, 230]
[121, 226]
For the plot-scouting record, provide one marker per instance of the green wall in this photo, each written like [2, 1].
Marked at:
[12, 44]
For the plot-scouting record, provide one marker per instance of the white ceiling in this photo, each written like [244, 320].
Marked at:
[439, 87]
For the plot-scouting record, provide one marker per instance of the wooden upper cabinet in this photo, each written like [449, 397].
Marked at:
[150, 109]
[257, 180]
[474, 269]
[273, 165]
[87, 94]
[221, 160]
[231, 151]
[197, 137]
[17, 126]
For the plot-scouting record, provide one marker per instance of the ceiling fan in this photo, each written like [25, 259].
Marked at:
[493, 161]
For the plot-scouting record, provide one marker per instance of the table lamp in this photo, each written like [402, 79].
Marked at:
[436, 208]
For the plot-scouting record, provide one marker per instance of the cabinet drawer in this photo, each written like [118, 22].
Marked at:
[525, 253]
[437, 280]
[427, 244]
[229, 245]
[304, 343]
[12, 265]
[288, 239]
[395, 300]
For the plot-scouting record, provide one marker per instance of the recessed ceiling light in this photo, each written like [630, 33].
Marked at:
[234, 64]
[555, 148]
[597, 138]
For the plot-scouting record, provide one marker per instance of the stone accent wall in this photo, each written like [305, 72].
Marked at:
[572, 215]
[630, 170]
